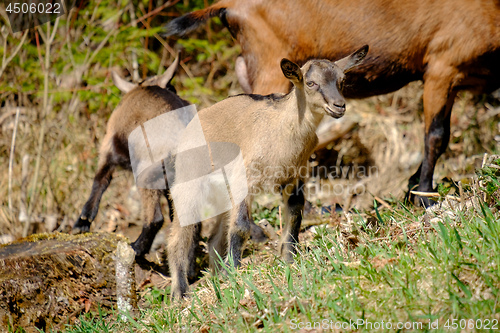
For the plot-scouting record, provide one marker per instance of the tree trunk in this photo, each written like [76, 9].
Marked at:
[47, 280]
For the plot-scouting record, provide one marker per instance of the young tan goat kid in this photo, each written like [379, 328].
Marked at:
[274, 131]
[141, 103]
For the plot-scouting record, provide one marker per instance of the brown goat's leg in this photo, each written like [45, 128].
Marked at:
[101, 182]
[179, 244]
[438, 101]
[153, 221]
[238, 233]
[217, 242]
[293, 199]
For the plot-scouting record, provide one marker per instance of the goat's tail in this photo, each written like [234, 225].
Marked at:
[187, 23]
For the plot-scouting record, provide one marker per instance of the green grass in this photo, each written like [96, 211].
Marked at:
[442, 271]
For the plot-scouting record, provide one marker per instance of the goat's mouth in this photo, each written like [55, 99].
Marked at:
[336, 111]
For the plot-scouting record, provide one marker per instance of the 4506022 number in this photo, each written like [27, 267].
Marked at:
[34, 8]
[486, 324]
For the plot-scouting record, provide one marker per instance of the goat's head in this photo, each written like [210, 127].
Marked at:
[322, 81]
[162, 81]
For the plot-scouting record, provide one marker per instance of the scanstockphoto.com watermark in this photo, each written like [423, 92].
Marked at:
[328, 324]
[352, 325]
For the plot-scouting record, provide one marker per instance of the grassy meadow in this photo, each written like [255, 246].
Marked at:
[371, 263]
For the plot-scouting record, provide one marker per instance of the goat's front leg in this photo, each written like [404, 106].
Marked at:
[238, 233]
[293, 200]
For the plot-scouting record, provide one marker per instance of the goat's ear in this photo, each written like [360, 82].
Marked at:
[121, 84]
[163, 80]
[352, 60]
[291, 70]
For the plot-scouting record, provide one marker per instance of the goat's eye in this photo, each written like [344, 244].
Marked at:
[311, 84]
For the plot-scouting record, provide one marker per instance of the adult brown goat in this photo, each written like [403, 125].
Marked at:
[451, 45]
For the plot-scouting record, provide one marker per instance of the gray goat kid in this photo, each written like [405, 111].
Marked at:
[276, 131]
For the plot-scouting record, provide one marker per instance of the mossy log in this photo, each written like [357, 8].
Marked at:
[46, 280]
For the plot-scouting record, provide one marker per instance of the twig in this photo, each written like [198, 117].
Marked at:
[485, 158]
[5, 61]
[154, 12]
[135, 65]
[40, 58]
[99, 47]
[11, 159]
[383, 203]
[146, 40]
[23, 213]
[426, 194]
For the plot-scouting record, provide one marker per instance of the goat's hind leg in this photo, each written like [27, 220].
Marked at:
[101, 182]
[180, 243]
[192, 273]
[293, 199]
[153, 220]
[439, 96]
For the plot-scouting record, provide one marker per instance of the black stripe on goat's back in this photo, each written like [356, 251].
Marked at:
[272, 98]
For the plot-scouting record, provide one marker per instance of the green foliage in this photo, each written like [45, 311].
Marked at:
[450, 272]
[272, 215]
[94, 322]
[490, 177]
[157, 296]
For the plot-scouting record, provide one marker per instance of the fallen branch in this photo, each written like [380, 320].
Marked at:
[332, 130]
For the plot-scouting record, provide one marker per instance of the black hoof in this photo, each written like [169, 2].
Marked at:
[141, 247]
[82, 225]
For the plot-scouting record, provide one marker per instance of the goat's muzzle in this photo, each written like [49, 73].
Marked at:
[335, 111]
